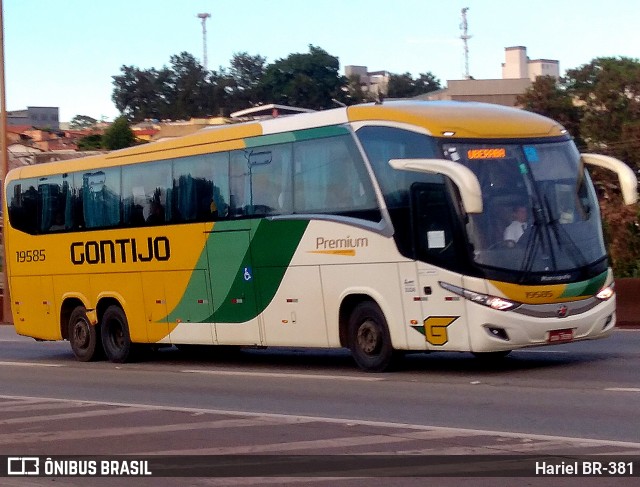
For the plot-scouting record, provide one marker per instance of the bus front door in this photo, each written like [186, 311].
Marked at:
[438, 250]
[235, 310]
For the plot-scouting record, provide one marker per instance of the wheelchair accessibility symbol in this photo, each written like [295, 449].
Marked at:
[247, 276]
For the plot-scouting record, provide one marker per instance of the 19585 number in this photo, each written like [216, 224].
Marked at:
[36, 255]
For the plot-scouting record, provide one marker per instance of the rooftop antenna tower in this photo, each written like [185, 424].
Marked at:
[203, 18]
[465, 37]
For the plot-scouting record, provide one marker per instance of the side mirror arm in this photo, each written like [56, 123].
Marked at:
[462, 177]
[626, 176]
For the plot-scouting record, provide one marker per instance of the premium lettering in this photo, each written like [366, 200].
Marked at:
[120, 251]
[341, 243]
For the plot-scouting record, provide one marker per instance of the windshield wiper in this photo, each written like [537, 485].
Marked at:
[530, 250]
[562, 236]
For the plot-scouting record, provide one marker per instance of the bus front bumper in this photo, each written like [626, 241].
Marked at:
[492, 330]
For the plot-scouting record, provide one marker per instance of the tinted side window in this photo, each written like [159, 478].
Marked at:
[384, 143]
[100, 198]
[55, 203]
[260, 181]
[330, 177]
[146, 194]
[201, 187]
[23, 205]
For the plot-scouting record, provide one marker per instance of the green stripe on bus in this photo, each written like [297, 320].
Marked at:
[270, 251]
[585, 288]
[269, 140]
[247, 261]
[298, 135]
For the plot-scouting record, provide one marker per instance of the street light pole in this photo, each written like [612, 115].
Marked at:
[4, 169]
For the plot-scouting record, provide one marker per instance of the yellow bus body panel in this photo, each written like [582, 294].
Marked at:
[463, 120]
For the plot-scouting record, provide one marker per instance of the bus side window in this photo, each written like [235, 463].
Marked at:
[146, 193]
[330, 177]
[54, 203]
[260, 181]
[23, 205]
[201, 187]
[101, 198]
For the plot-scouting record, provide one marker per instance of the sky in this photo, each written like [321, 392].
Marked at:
[65, 53]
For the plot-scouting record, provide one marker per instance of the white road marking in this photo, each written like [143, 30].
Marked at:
[293, 419]
[282, 376]
[30, 364]
[623, 389]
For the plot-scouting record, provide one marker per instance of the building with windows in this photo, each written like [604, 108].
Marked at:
[41, 117]
[517, 65]
[374, 83]
[518, 73]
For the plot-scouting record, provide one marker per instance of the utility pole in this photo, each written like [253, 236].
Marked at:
[4, 169]
[203, 18]
[465, 37]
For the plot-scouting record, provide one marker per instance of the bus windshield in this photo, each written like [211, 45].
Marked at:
[540, 218]
[540, 210]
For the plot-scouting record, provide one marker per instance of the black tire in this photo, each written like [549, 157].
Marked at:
[369, 338]
[83, 336]
[116, 340]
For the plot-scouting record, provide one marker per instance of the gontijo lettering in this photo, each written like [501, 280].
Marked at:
[120, 251]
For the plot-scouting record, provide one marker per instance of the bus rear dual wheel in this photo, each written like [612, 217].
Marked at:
[111, 338]
[83, 336]
[114, 331]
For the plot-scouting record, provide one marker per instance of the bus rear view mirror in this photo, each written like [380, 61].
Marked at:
[626, 176]
[462, 177]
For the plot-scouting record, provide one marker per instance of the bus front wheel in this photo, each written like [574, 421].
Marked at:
[83, 336]
[115, 335]
[369, 338]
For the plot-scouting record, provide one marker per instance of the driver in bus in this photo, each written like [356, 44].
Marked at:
[518, 226]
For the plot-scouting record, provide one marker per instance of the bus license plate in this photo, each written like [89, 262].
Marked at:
[556, 336]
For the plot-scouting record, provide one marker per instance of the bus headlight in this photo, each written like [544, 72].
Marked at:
[605, 293]
[492, 302]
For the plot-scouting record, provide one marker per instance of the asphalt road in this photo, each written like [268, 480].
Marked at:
[572, 399]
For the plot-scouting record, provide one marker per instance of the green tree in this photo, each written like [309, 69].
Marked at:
[91, 142]
[309, 80]
[125, 86]
[426, 83]
[246, 72]
[187, 88]
[405, 86]
[143, 93]
[180, 91]
[549, 97]
[81, 122]
[401, 86]
[237, 88]
[609, 90]
[119, 135]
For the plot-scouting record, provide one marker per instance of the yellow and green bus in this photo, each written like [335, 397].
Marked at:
[380, 228]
